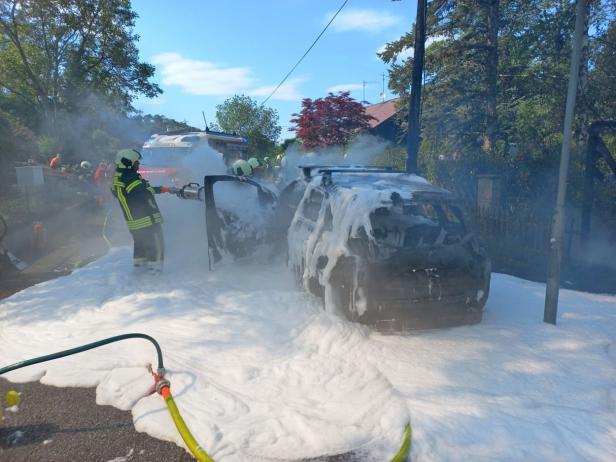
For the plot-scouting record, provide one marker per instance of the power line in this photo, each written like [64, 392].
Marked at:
[307, 51]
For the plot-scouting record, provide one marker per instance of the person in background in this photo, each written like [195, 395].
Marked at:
[56, 161]
[136, 198]
[102, 176]
[261, 168]
[241, 168]
[102, 173]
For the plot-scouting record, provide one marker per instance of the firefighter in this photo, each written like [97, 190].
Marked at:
[141, 212]
[55, 161]
[261, 169]
[241, 168]
[254, 163]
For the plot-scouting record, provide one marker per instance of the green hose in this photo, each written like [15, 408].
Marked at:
[89, 346]
[165, 391]
[406, 445]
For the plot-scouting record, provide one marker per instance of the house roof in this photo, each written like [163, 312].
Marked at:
[381, 111]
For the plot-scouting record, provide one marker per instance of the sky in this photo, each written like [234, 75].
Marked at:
[206, 52]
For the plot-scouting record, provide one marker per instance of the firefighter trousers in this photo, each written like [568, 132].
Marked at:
[149, 246]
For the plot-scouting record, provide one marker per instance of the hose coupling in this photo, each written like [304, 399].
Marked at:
[160, 384]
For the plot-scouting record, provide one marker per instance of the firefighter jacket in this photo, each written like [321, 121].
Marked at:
[136, 197]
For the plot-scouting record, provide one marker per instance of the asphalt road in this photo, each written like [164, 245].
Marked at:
[66, 425]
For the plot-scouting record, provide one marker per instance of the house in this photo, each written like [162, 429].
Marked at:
[384, 124]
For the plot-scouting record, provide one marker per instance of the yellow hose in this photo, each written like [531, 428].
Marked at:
[190, 440]
[203, 456]
[406, 445]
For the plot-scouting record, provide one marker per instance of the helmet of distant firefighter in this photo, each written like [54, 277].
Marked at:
[85, 165]
[126, 158]
[254, 162]
[241, 168]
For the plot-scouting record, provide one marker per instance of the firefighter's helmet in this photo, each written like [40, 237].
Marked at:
[254, 162]
[125, 158]
[241, 168]
[85, 165]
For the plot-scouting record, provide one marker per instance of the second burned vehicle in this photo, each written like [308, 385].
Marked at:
[380, 247]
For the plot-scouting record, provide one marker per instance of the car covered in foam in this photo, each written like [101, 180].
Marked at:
[379, 246]
[388, 249]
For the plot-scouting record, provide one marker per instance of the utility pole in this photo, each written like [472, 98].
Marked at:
[382, 95]
[553, 279]
[364, 83]
[414, 124]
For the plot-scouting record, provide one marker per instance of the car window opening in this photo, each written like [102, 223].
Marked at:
[417, 224]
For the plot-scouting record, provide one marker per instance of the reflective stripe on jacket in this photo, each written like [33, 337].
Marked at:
[136, 198]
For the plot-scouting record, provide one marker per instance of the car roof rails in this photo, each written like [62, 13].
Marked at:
[307, 169]
[327, 171]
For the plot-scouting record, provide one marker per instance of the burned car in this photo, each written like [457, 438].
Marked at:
[379, 246]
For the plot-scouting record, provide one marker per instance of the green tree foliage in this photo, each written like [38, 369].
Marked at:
[243, 116]
[157, 123]
[496, 78]
[55, 53]
[69, 71]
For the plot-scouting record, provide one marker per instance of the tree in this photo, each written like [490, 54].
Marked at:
[467, 58]
[329, 121]
[495, 87]
[243, 116]
[55, 52]
[150, 124]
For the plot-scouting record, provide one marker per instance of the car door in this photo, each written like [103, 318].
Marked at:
[238, 214]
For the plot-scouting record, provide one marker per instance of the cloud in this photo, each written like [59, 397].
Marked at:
[404, 54]
[433, 39]
[346, 87]
[287, 92]
[202, 78]
[362, 20]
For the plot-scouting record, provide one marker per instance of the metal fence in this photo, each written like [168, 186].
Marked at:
[518, 244]
[517, 241]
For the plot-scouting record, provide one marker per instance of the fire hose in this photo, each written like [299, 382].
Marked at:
[161, 385]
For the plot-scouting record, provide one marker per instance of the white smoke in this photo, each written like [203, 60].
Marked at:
[204, 160]
[363, 150]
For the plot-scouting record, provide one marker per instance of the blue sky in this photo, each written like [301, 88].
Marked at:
[207, 51]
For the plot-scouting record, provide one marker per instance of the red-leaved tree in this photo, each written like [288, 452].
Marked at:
[329, 121]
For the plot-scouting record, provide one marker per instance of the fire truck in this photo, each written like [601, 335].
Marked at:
[164, 155]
